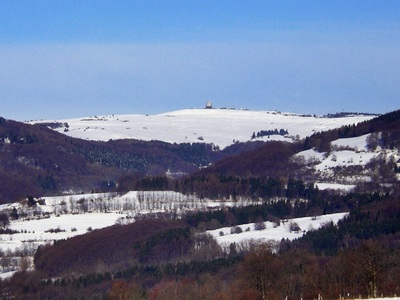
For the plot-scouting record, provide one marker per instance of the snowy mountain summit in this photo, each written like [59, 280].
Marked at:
[221, 127]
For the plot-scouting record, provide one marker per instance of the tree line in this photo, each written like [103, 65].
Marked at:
[275, 131]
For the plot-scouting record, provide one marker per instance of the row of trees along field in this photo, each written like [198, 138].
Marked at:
[285, 197]
[214, 186]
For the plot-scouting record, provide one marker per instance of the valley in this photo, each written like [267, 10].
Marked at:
[143, 205]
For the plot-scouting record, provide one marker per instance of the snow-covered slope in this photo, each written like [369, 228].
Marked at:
[346, 154]
[222, 127]
[272, 232]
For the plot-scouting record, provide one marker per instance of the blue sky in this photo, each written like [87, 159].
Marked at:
[63, 59]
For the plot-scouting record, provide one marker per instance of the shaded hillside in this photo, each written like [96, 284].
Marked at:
[271, 159]
[35, 160]
[146, 241]
[388, 124]
[238, 148]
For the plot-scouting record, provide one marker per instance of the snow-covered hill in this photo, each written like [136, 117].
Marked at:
[346, 155]
[344, 165]
[222, 127]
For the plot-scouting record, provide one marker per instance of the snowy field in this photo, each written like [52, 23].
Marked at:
[222, 127]
[225, 236]
[334, 186]
[42, 231]
[349, 152]
[345, 152]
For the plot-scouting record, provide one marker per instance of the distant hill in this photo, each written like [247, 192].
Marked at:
[348, 154]
[46, 159]
[220, 127]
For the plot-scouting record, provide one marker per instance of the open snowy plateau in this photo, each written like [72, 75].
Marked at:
[221, 127]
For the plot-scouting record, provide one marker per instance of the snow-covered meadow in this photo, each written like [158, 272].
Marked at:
[34, 232]
[272, 232]
[221, 127]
